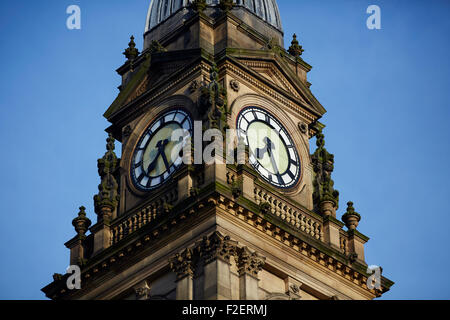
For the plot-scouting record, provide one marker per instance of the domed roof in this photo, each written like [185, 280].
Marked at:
[160, 10]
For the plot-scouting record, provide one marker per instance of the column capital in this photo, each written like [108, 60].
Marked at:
[249, 262]
[216, 246]
[183, 264]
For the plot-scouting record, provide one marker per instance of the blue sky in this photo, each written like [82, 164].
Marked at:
[386, 92]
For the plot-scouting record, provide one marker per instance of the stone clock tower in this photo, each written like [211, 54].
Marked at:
[264, 226]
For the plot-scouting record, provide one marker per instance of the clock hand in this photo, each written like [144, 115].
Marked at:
[161, 145]
[269, 147]
[166, 163]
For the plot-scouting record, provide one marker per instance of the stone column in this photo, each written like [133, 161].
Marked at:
[249, 264]
[183, 264]
[216, 251]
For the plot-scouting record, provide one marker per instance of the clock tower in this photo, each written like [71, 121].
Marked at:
[259, 219]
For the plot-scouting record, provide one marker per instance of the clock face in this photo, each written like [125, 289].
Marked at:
[156, 156]
[272, 152]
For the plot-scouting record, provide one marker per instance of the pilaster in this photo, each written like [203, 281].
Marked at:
[216, 251]
[183, 264]
[249, 265]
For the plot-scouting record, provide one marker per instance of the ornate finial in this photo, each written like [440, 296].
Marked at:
[325, 197]
[295, 49]
[351, 218]
[131, 52]
[81, 223]
[226, 5]
[107, 199]
[198, 5]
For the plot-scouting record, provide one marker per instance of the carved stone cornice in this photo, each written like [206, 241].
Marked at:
[249, 262]
[216, 246]
[274, 94]
[183, 264]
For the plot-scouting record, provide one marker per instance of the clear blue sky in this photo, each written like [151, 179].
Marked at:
[386, 92]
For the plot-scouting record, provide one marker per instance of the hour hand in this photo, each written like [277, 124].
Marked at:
[161, 145]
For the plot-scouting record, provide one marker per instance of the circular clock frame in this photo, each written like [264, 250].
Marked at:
[291, 175]
[149, 153]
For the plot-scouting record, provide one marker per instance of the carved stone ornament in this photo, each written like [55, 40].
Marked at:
[235, 85]
[325, 197]
[127, 131]
[194, 86]
[351, 218]
[183, 264]
[131, 52]
[303, 127]
[81, 223]
[249, 262]
[142, 291]
[107, 198]
[216, 246]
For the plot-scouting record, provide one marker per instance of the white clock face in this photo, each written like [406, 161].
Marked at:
[272, 152]
[156, 156]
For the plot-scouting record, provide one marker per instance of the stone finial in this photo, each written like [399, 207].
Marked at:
[351, 218]
[81, 223]
[131, 52]
[107, 199]
[183, 264]
[198, 5]
[325, 197]
[226, 5]
[295, 49]
[249, 262]
[216, 246]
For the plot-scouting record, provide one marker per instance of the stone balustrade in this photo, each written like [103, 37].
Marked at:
[144, 216]
[289, 213]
